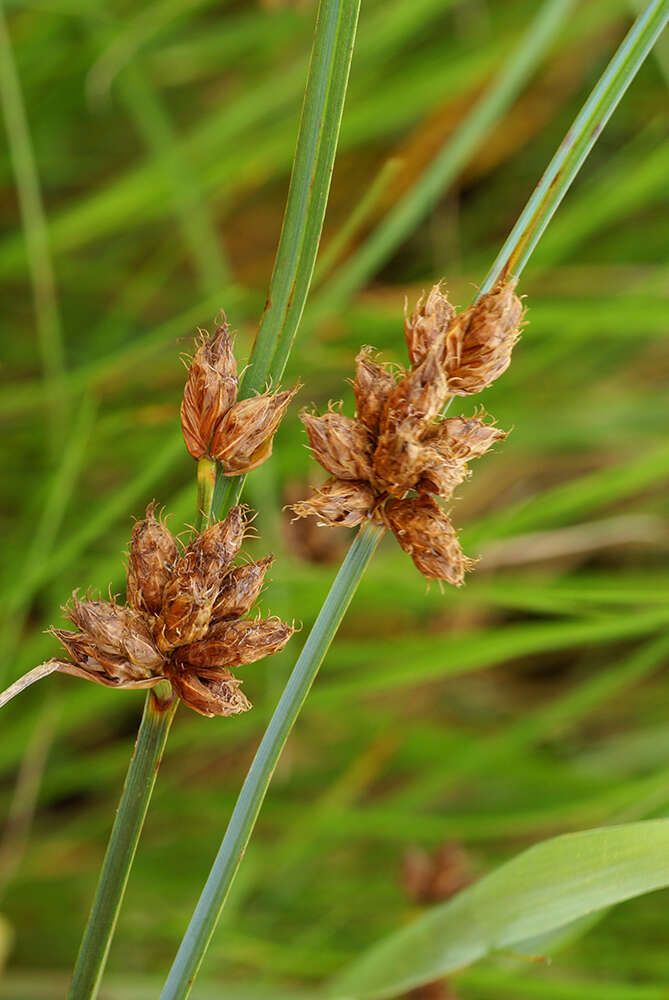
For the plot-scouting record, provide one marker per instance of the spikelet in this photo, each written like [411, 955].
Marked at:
[372, 386]
[116, 630]
[244, 435]
[428, 324]
[233, 644]
[342, 446]
[152, 557]
[220, 696]
[338, 503]
[448, 447]
[426, 534]
[479, 342]
[210, 391]
[240, 590]
[190, 595]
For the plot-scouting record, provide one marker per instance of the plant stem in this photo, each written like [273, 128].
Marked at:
[305, 208]
[206, 481]
[245, 813]
[577, 143]
[516, 251]
[159, 710]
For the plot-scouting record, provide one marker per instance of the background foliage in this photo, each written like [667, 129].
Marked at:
[530, 703]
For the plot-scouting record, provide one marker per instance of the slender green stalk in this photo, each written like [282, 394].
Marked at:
[577, 143]
[208, 910]
[159, 711]
[296, 255]
[305, 208]
[47, 317]
[242, 821]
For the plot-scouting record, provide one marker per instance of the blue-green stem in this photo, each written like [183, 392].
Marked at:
[159, 710]
[305, 208]
[242, 821]
[516, 251]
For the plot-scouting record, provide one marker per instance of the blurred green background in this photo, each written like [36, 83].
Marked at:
[531, 702]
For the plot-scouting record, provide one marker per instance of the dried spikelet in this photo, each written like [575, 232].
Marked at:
[190, 595]
[220, 696]
[152, 557]
[338, 503]
[428, 323]
[479, 343]
[447, 449]
[243, 437]
[342, 446]
[232, 644]
[211, 389]
[240, 590]
[372, 386]
[425, 532]
[118, 631]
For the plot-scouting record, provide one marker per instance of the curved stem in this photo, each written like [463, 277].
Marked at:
[251, 797]
[577, 143]
[159, 710]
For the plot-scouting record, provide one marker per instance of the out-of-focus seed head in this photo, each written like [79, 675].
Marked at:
[428, 323]
[240, 590]
[213, 696]
[152, 557]
[426, 534]
[232, 644]
[372, 386]
[211, 389]
[341, 445]
[480, 341]
[244, 436]
[338, 503]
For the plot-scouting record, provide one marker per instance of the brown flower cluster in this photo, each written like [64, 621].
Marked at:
[399, 454]
[239, 434]
[183, 621]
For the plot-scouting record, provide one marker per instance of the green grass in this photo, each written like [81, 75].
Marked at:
[530, 703]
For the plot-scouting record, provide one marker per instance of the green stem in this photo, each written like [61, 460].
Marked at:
[245, 813]
[517, 249]
[305, 208]
[577, 143]
[206, 481]
[159, 710]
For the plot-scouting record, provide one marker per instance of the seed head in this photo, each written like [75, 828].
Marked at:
[243, 437]
[240, 590]
[448, 447]
[338, 502]
[152, 557]
[211, 389]
[428, 324]
[425, 532]
[219, 695]
[233, 644]
[479, 343]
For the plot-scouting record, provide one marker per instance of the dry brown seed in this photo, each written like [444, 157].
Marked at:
[342, 446]
[338, 503]
[428, 323]
[219, 696]
[372, 386]
[190, 595]
[479, 343]
[117, 630]
[153, 555]
[211, 389]
[240, 590]
[425, 532]
[243, 437]
[232, 644]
